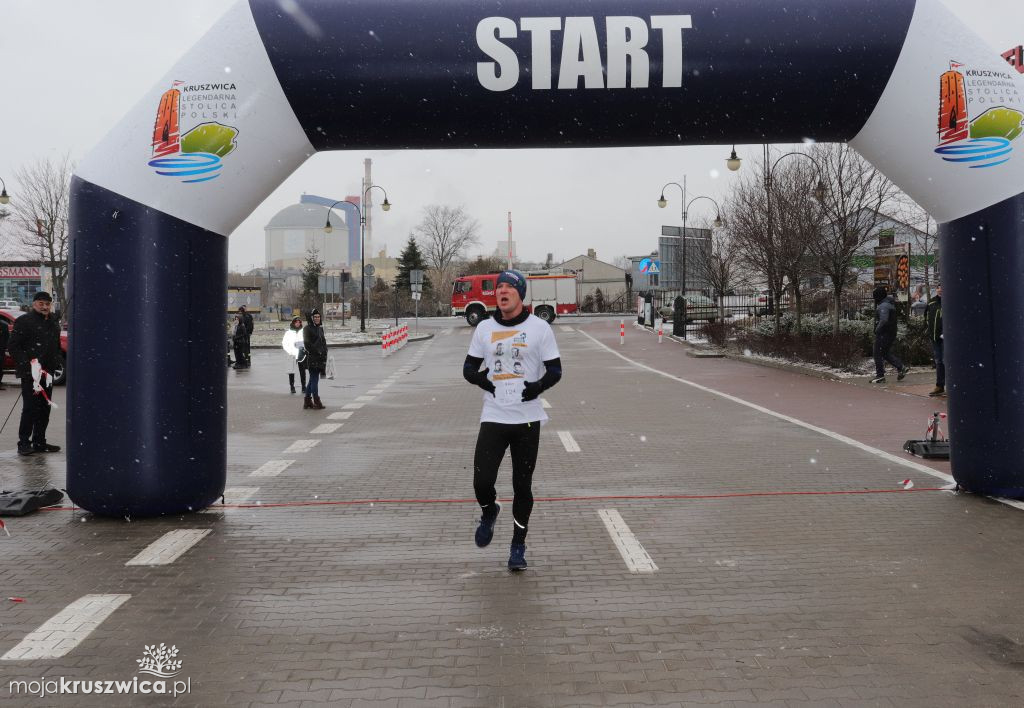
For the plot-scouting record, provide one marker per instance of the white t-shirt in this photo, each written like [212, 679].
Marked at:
[514, 356]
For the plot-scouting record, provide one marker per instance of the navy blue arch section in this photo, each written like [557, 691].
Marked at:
[147, 423]
[983, 257]
[405, 72]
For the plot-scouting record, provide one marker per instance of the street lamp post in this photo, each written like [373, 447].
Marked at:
[819, 189]
[386, 206]
[662, 202]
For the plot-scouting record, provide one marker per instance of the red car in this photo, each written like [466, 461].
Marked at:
[61, 374]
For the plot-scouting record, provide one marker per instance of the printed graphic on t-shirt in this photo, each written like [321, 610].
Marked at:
[508, 372]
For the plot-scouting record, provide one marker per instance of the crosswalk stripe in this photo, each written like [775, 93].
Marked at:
[630, 548]
[301, 446]
[271, 468]
[169, 547]
[568, 441]
[67, 629]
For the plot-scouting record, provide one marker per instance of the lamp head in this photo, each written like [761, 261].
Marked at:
[662, 202]
[718, 221]
[819, 191]
[327, 227]
[733, 163]
[3, 197]
[386, 206]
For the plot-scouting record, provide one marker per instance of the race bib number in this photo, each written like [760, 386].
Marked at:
[509, 392]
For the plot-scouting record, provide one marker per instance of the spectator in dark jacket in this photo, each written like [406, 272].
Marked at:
[933, 323]
[4, 336]
[315, 342]
[35, 347]
[240, 343]
[248, 324]
[885, 336]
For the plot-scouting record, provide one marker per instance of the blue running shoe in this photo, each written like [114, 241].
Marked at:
[517, 556]
[485, 531]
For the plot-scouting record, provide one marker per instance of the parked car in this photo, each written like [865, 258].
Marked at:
[698, 308]
[7, 316]
[10, 305]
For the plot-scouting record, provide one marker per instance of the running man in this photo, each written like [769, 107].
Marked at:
[512, 413]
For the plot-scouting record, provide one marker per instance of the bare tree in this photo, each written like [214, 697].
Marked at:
[759, 249]
[40, 218]
[445, 233]
[856, 193]
[721, 269]
[797, 216]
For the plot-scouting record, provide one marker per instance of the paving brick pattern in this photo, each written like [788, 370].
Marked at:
[881, 599]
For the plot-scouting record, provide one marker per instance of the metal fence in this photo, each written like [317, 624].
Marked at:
[748, 311]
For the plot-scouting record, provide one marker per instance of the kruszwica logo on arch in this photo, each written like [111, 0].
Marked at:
[195, 155]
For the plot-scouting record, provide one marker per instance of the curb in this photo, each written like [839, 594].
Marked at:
[715, 353]
[346, 345]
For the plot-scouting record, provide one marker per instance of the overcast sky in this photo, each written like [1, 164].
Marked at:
[69, 69]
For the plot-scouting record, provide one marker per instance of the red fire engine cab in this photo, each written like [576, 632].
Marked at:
[547, 295]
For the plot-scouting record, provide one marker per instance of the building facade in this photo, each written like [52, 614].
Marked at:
[593, 274]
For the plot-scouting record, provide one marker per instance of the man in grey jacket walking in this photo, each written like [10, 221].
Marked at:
[885, 336]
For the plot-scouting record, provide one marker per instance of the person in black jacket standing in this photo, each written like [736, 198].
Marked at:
[35, 347]
[248, 325]
[315, 342]
[933, 323]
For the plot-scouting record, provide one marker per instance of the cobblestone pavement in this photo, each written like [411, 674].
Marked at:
[776, 564]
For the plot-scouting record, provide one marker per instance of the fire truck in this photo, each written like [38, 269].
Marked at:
[547, 295]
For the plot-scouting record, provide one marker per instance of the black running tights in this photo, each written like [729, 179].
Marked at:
[494, 439]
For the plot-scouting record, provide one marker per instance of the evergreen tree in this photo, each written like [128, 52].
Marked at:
[599, 304]
[311, 270]
[411, 258]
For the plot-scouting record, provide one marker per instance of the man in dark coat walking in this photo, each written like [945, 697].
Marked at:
[885, 336]
[35, 347]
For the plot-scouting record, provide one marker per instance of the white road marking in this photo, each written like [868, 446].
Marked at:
[781, 416]
[637, 559]
[353, 406]
[365, 399]
[340, 415]
[325, 428]
[169, 547]
[568, 441]
[376, 391]
[567, 329]
[67, 629]
[239, 495]
[301, 446]
[271, 468]
[544, 403]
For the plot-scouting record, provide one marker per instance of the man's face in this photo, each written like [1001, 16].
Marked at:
[509, 301]
[42, 307]
[316, 319]
[938, 291]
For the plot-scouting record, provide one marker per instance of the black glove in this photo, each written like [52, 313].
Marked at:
[480, 379]
[532, 389]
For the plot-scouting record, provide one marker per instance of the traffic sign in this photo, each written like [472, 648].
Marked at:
[369, 270]
[416, 277]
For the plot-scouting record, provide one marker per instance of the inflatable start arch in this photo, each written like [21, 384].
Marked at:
[904, 82]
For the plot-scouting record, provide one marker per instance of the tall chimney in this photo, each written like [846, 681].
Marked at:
[367, 202]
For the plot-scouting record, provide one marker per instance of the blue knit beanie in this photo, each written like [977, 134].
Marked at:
[516, 279]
